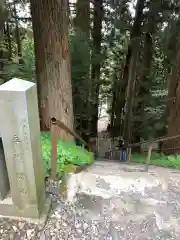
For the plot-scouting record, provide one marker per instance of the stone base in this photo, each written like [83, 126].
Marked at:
[9, 210]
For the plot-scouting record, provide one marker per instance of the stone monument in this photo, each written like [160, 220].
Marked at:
[4, 181]
[20, 133]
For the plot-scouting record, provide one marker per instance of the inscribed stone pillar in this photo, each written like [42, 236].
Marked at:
[20, 132]
[4, 181]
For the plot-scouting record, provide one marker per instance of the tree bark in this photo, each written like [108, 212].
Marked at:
[145, 79]
[82, 24]
[130, 68]
[8, 35]
[135, 34]
[144, 94]
[173, 108]
[96, 63]
[3, 15]
[50, 25]
[127, 131]
[17, 34]
[82, 20]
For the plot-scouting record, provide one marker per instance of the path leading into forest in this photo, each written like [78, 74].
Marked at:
[114, 201]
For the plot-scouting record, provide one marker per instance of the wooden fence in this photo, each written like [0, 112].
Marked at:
[56, 125]
[150, 147]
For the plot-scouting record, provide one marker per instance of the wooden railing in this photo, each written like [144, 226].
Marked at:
[55, 126]
[150, 147]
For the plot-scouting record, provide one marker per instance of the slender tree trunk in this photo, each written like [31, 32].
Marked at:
[50, 25]
[113, 102]
[3, 17]
[17, 33]
[116, 111]
[8, 35]
[96, 65]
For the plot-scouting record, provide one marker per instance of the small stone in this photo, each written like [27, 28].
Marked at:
[79, 231]
[64, 224]
[85, 226]
[77, 225]
[21, 225]
[15, 228]
[94, 229]
[29, 233]
[58, 225]
[42, 236]
[11, 236]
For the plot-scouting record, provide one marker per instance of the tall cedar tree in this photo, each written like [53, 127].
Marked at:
[82, 20]
[17, 33]
[173, 107]
[96, 64]
[3, 17]
[82, 24]
[130, 68]
[145, 82]
[50, 26]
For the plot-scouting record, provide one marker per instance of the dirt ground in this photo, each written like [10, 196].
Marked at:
[110, 201]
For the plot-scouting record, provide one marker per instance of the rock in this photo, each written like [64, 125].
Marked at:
[11, 236]
[21, 225]
[85, 226]
[64, 224]
[15, 228]
[42, 236]
[58, 225]
[29, 233]
[77, 225]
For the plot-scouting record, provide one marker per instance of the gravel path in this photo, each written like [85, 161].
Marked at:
[139, 214]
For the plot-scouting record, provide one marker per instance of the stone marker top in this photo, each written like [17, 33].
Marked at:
[16, 84]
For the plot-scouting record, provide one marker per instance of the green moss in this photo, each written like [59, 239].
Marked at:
[68, 155]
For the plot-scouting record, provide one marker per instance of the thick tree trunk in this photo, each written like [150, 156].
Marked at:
[96, 65]
[50, 25]
[145, 78]
[173, 108]
[135, 35]
[82, 24]
[127, 131]
[130, 68]
[144, 94]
